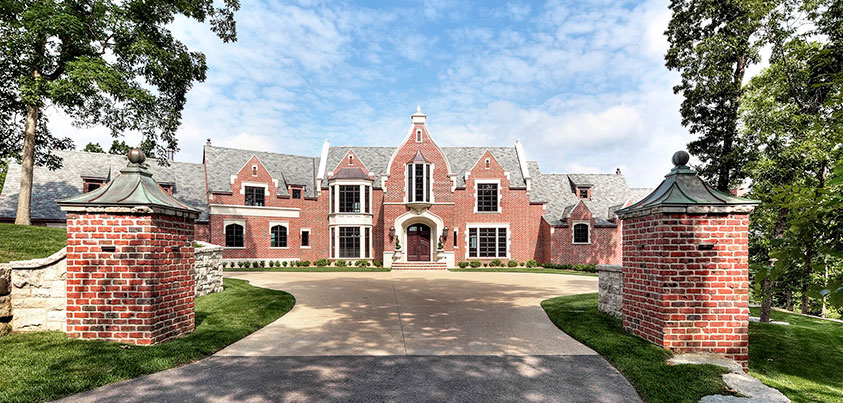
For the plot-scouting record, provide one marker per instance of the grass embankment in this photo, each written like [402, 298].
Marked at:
[524, 270]
[24, 242]
[307, 269]
[48, 365]
[802, 360]
[643, 364]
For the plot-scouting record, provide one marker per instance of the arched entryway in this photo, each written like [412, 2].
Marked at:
[418, 243]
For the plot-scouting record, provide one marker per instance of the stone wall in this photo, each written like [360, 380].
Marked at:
[38, 293]
[207, 270]
[610, 289]
[5, 299]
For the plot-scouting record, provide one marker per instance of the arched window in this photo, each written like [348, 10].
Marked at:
[234, 236]
[418, 136]
[254, 170]
[278, 235]
[350, 160]
[581, 233]
[418, 182]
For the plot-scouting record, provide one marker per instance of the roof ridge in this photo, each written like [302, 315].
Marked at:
[258, 151]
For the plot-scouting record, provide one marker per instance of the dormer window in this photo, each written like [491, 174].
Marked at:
[584, 193]
[296, 192]
[167, 187]
[91, 184]
[254, 196]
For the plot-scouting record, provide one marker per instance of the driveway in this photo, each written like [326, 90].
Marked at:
[400, 336]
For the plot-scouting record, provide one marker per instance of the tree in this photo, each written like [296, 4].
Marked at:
[110, 63]
[712, 42]
[93, 148]
[119, 147]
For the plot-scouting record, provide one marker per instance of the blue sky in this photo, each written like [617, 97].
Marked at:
[581, 84]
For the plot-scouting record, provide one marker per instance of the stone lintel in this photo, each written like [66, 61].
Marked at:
[695, 209]
[610, 267]
[93, 209]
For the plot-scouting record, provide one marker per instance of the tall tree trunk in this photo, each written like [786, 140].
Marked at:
[724, 177]
[27, 164]
[806, 282]
[788, 294]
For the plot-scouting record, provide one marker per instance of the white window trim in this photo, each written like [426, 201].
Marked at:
[255, 170]
[469, 226]
[500, 195]
[226, 223]
[301, 231]
[284, 224]
[425, 185]
[574, 224]
[254, 184]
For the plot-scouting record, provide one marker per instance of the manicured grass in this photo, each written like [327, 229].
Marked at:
[804, 360]
[643, 363]
[24, 242]
[307, 269]
[524, 270]
[46, 366]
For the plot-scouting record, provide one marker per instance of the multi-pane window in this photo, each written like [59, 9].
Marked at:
[366, 202]
[234, 236]
[487, 197]
[581, 233]
[349, 242]
[368, 241]
[305, 238]
[583, 193]
[487, 242]
[254, 196]
[296, 193]
[418, 183]
[278, 235]
[349, 199]
[92, 184]
[333, 242]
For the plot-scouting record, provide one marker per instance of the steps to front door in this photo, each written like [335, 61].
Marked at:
[420, 266]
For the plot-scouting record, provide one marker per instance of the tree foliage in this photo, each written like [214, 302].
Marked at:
[93, 148]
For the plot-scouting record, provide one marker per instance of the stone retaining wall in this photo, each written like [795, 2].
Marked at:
[39, 293]
[207, 270]
[610, 289]
[5, 299]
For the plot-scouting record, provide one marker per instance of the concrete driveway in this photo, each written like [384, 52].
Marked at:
[400, 336]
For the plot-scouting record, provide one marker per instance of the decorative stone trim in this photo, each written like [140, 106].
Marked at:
[610, 289]
[38, 295]
[81, 209]
[728, 209]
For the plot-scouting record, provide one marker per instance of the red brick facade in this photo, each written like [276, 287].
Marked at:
[141, 291]
[603, 247]
[686, 281]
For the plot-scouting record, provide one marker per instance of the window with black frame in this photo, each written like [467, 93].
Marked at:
[296, 193]
[278, 236]
[305, 238]
[349, 242]
[581, 233]
[349, 199]
[254, 196]
[487, 197]
[234, 236]
[487, 242]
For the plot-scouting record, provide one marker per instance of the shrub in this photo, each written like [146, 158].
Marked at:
[261, 264]
[588, 268]
[512, 263]
[531, 263]
[495, 263]
[254, 264]
[340, 263]
[485, 265]
[523, 264]
[321, 263]
[475, 264]
[377, 263]
[277, 263]
[362, 263]
[284, 263]
[304, 263]
[462, 265]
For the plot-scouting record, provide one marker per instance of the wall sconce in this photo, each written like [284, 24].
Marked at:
[391, 232]
[444, 234]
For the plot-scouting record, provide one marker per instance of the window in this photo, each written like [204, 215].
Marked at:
[349, 242]
[278, 235]
[418, 136]
[350, 160]
[254, 196]
[368, 238]
[234, 236]
[488, 164]
[331, 199]
[581, 233]
[349, 199]
[368, 209]
[455, 239]
[305, 238]
[167, 187]
[583, 193]
[333, 242]
[254, 170]
[487, 197]
[418, 183]
[296, 193]
[487, 242]
[92, 184]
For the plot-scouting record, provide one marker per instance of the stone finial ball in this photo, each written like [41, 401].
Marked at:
[136, 156]
[681, 158]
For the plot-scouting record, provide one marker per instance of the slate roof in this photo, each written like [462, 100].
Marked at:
[462, 159]
[188, 180]
[222, 162]
[609, 192]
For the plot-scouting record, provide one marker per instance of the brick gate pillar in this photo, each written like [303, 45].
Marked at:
[685, 268]
[129, 261]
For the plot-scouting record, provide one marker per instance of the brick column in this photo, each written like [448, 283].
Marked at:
[129, 261]
[685, 268]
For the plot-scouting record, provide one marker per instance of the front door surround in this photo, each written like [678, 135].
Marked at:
[418, 243]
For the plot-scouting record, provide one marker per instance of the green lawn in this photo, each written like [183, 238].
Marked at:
[524, 270]
[24, 242]
[641, 362]
[308, 269]
[804, 360]
[46, 366]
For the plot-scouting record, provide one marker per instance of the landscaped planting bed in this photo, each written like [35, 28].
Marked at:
[529, 266]
[48, 365]
[321, 265]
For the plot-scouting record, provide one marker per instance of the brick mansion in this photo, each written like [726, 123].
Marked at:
[414, 204]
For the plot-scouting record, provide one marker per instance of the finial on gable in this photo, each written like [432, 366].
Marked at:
[418, 117]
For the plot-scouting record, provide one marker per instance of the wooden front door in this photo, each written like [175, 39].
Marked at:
[418, 243]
